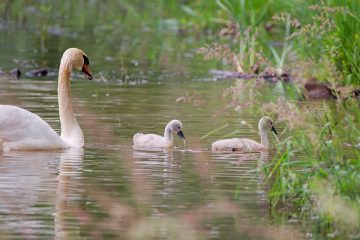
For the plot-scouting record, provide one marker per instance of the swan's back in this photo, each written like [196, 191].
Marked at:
[148, 141]
[23, 130]
[237, 145]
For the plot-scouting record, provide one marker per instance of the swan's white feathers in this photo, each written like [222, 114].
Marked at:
[24, 130]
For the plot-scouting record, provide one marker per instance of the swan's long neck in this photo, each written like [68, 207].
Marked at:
[168, 137]
[70, 129]
[264, 138]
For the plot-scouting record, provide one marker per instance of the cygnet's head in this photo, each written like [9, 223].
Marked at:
[266, 123]
[176, 126]
[76, 58]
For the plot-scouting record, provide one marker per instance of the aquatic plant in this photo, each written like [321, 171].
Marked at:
[316, 146]
[241, 48]
[287, 45]
[333, 32]
[246, 58]
[313, 172]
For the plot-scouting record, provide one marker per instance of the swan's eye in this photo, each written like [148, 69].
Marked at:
[179, 127]
[86, 60]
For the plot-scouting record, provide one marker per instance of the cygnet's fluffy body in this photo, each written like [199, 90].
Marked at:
[142, 140]
[244, 144]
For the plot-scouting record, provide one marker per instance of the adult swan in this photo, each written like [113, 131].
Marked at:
[24, 130]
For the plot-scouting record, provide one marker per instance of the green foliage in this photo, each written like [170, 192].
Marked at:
[333, 32]
[315, 154]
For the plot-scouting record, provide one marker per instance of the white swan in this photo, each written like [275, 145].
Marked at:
[23, 130]
[156, 141]
[244, 144]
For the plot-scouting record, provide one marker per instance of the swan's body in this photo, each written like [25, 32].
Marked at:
[156, 141]
[24, 130]
[244, 144]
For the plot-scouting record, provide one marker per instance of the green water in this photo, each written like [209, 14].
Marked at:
[80, 194]
[109, 190]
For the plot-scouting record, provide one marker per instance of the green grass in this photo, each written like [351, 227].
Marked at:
[333, 33]
[315, 174]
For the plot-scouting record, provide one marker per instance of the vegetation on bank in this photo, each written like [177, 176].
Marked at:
[273, 33]
[315, 172]
[324, 48]
[314, 176]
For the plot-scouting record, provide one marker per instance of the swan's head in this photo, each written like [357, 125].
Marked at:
[176, 126]
[266, 123]
[76, 58]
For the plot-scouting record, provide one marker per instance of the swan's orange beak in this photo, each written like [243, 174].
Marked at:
[85, 69]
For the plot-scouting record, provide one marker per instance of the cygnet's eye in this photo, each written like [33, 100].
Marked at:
[179, 127]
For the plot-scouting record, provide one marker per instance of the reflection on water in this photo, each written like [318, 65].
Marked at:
[110, 190]
[36, 189]
[68, 189]
[27, 183]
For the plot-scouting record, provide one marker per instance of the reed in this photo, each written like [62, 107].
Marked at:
[316, 169]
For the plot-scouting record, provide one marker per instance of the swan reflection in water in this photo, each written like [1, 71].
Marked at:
[30, 184]
[244, 167]
[68, 189]
[162, 170]
[25, 180]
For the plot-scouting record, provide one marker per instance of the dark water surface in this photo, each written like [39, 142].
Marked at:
[108, 190]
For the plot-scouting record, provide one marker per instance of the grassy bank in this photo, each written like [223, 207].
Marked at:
[316, 172]
[314, 176]
[319, 42]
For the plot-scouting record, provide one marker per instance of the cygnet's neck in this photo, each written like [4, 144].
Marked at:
[168, 137]
[263, 137]
[70, 129]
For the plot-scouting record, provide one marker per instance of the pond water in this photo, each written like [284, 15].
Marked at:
[108, 190]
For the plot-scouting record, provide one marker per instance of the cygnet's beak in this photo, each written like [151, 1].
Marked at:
[85, 69]
[181, 135]
[274, 130]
